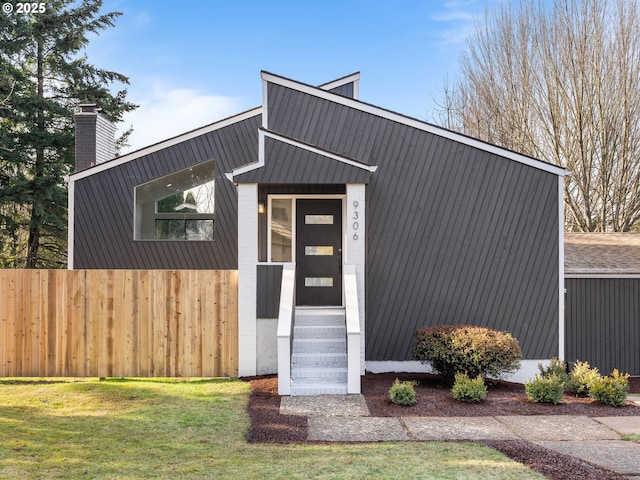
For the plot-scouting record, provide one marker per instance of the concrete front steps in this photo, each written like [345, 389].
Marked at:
[319, 352]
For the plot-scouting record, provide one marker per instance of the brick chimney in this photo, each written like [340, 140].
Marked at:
[95, 137]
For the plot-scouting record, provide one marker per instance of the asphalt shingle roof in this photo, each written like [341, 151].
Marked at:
[602, 253]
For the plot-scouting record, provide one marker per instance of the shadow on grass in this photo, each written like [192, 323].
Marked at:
[40, 381]
[195, 381]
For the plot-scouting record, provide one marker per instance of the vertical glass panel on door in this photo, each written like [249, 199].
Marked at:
[281, 229]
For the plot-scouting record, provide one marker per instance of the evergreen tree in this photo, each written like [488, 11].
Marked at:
[44, 74]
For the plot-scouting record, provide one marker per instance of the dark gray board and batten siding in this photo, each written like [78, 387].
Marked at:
[454, 234]
[603, 323]
[346, 90]
[290, 164]
[269, 285]
[104, 206]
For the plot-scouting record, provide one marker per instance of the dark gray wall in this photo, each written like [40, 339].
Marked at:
[455, 235]
[603, 323]
[344, 90]
[269, 286]
[290, 164]
[104, 206]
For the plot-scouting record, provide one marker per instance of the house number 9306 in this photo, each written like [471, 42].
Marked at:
[355, 217]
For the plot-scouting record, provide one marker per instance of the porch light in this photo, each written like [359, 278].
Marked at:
[261, 208]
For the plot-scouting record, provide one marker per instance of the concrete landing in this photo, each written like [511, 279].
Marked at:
[325, 406]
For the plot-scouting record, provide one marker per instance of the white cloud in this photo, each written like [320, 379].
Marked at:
[166, 112]
[458, 18]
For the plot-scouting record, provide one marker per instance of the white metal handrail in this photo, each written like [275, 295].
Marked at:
[285, 325]
[353, 329]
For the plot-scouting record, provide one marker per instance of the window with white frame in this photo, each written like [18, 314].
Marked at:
[179, 206]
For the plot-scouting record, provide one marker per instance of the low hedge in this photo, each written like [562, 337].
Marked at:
[475, 351]
[466, 389]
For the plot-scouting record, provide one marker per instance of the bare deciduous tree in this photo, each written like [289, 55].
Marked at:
[561, 83]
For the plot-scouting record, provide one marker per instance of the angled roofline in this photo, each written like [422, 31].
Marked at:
[264, 133]
[268, 77]
[351, 78]
[225, 122]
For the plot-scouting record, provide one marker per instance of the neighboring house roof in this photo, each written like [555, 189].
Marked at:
[602, 254]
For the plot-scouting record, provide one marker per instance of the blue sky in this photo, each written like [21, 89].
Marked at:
[193, 62]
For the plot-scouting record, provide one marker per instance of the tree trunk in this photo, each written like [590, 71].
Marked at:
[37, 205]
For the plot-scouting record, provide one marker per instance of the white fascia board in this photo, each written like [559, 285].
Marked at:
[70, 225]
[561, 296]
[261, 155]
[602, 275]
[413, 122]
[319, 151]
[166, 143]
[265, 105]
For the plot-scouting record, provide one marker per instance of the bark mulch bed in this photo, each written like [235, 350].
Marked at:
[435, 400]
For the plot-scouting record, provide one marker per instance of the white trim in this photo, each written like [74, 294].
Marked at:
[286, 313]
[412, 122]
[261, 155]
[247, 278]
[355, 366]
[397, 366]
[166, 143]
[319, 151]
[355, 251]
[265, 104]
[71, 221]
[527, 370]
[561, 294]
[602, 275]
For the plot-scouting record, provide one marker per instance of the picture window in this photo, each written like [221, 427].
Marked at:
[179, 206]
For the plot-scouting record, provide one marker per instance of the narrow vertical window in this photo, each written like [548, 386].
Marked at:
[281, 229]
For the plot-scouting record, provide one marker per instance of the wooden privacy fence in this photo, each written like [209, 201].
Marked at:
[113, 323]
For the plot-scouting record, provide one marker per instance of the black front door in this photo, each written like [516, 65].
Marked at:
[319, 251]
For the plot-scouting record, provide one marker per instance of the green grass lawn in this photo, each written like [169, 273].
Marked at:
[177, 429]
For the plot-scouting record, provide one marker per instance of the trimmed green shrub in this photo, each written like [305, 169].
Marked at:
[611, 390]
[467, 349]
[467, 390]
[556, 367]
[581, 377]
[403, 393]
[548, 389]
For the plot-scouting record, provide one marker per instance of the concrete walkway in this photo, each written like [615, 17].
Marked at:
[599, 441]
